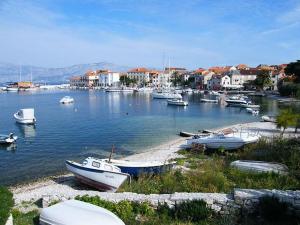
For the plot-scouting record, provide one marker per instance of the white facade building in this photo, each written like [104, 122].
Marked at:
[141, 75]
[108, 78]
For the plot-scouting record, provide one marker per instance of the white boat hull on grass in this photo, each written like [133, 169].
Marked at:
[100, 179]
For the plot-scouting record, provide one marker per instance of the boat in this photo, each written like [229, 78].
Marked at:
[236, 102]
[7, 139]
[248, 105]
[209, 100]
[166, 95]
[74, 212]
[137, 168]
[267, 118]
[122, 89]
[25, 116]
[215, 141]
[215, 93]
[186, 134]
[98, 174]
[177, 102]
[253, 111]
[260, 166]
[67, 100]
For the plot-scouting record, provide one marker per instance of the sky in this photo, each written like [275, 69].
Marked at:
[149, 33]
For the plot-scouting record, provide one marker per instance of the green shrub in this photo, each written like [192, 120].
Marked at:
[270, 208]
[194, 211]
[6, 203]
[29, 218]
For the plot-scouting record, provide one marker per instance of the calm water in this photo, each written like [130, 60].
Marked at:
[132, 122]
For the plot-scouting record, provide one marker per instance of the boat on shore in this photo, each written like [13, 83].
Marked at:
[267, 118]
[77, 213]
[137, 168]
[25, 116]
[98, 174]
[209, 100]
[177, 102]
[66, 100]
[8, 139]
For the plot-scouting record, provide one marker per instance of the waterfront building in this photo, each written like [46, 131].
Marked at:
[214, 83]
[140, 74]
[108, 78]
[160, 79]
[207, 75]
[91, 79]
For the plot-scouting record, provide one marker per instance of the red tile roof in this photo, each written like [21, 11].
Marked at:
[139, 70]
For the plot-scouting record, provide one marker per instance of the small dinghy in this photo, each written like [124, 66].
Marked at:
[98, 174]
[260, 166]
[136, 168]
[74, 212]
[209, 100]
[177, 102]
[7, 139]
[252, 111]
[25, 116]
[67, 100]
[267, 118]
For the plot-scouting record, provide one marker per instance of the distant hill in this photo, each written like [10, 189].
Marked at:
[10, 72]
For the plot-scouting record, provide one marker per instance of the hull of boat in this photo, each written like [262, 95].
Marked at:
[135, 171]
[209, 100]
[166, 96]
[24, 121]
[177, 103]
[215, 144]
[5, 140]
[99, 179]
[12, 89]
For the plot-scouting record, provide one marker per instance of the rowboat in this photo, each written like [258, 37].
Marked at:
[136, 168]
[177, 102]
[98, 174]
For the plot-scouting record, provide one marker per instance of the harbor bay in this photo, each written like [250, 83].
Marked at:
[132, 122]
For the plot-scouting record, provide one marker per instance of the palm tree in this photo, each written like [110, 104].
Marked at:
[285, 119]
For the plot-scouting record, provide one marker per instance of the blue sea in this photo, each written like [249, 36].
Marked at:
[133, 122]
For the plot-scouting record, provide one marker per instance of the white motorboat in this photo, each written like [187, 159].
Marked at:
[252, 111]
[8, 139]
[74, 212]
[267, 118]
[248, 105]
[123, 89]
[12, 89]
[236, 102]
[98, 174]
[67, 100]
[166, 95]
[215, 93]
[145, 90]
[25, 116]
[215, 141]
[209, 100]
[177, 102]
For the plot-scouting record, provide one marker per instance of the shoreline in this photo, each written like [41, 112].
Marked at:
[64, 184]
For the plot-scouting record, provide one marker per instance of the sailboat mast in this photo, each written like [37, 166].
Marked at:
[20, 73]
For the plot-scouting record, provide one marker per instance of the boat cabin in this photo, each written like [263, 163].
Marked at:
[94, 163]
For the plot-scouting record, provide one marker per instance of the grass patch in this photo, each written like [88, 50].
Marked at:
[132, 213]
[212, 173]
[30, 218]
[6, 203]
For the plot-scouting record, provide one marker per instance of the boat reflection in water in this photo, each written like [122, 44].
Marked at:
[28, 131]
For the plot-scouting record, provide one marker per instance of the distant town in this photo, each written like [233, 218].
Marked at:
[214, 78]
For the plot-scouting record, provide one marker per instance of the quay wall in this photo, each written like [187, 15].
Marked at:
[241, 201]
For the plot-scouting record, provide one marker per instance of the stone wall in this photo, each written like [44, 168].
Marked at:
[239, 202]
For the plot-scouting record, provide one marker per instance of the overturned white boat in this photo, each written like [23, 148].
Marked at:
[8, 139]
[67, 100]
[177, 102]
[74, 212]
[98, 174]
[25, 116]
[259, 166]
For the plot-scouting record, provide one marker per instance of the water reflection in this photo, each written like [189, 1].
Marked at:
[11, 147]
[28, 131]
